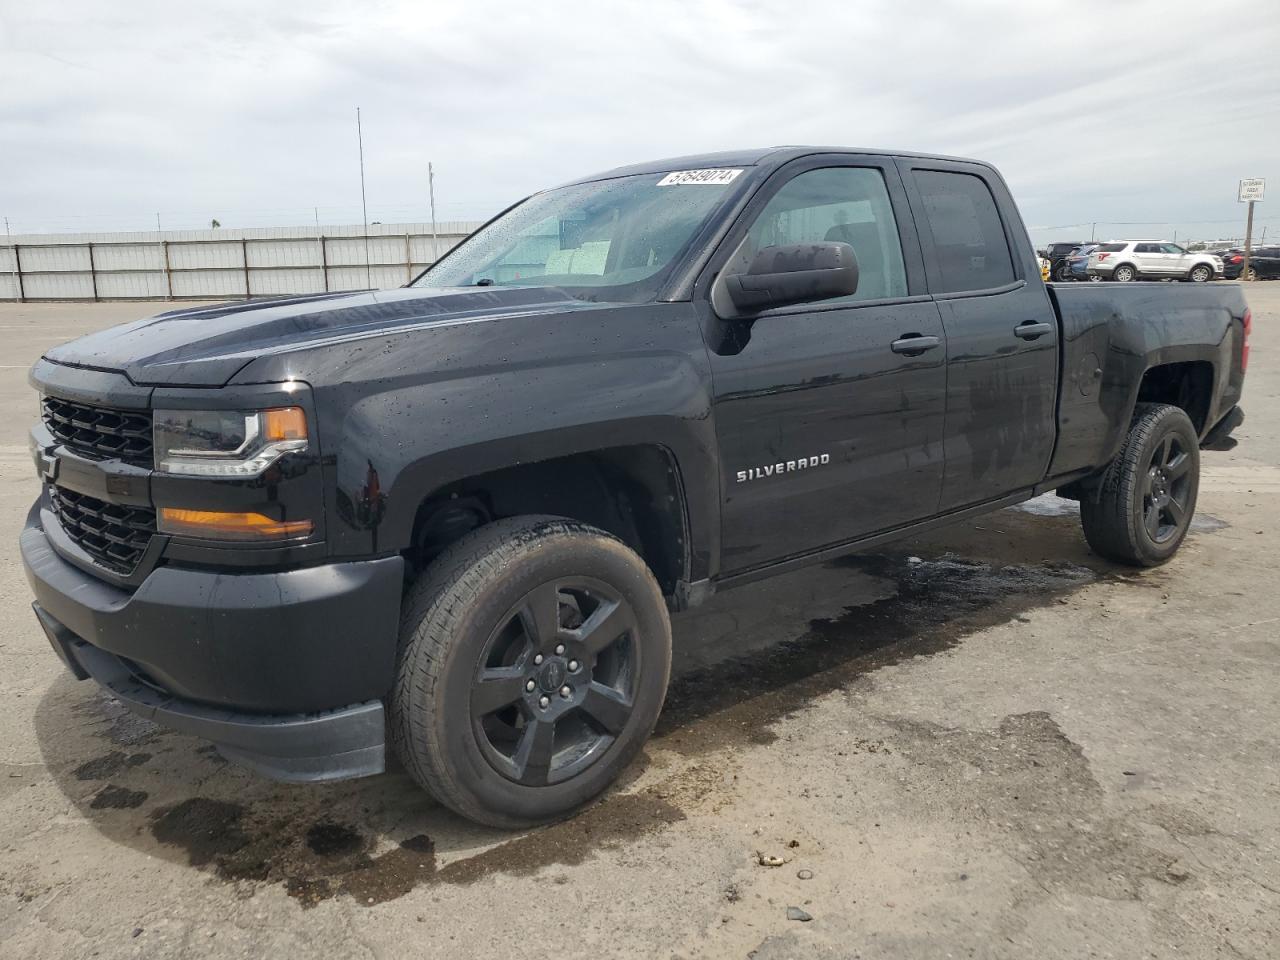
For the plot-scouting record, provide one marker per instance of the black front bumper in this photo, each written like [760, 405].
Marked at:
[284, 671]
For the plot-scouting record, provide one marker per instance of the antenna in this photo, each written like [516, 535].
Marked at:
[364, 207]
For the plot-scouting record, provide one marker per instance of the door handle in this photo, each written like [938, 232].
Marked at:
[1030, 330]
[914, 343]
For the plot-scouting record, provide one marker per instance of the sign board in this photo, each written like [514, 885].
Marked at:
[1251, 190]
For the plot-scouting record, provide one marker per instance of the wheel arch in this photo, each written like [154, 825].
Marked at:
[1187, 384]
[635, 492]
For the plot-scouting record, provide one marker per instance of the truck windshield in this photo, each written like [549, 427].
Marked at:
[606, 240]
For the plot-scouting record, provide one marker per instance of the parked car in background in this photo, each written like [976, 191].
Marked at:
[1078, 262]
[1232, 263]
[1126, 260]
[1264, 263]
[1056, 254]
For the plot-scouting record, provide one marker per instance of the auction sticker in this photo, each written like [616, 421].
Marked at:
[698, 176]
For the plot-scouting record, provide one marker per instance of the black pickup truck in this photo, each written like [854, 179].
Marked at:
[459, 514]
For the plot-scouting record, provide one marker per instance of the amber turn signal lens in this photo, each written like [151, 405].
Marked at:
[217, 525]
[284, 423]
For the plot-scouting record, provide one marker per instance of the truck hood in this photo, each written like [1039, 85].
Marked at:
[206, 346]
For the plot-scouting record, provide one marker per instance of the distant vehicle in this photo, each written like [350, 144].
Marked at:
[1078, 262]
[1264, 263]
[1057, 253]
[1127, 260]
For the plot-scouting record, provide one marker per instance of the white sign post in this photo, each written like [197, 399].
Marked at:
[1251, 191]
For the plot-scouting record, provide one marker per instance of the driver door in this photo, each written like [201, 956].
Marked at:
[830, 425]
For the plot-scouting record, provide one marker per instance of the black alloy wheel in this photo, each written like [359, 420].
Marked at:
[1165, 499]
[534, 658]
[1142, 505]
[555, 684]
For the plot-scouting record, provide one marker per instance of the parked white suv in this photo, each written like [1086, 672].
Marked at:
[1127, 260]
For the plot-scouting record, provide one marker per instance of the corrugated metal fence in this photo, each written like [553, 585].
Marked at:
[219, 264]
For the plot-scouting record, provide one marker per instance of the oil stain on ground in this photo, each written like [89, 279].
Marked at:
[330, 859]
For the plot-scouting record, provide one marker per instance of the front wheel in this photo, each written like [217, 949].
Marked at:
[1143, 509]
[1201, 274]
[534, 660]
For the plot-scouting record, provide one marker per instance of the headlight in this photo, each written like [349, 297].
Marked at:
[226, 443]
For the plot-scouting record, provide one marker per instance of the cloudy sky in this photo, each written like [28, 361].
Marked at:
[1114, 110]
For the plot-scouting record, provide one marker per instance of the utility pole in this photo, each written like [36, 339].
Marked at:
[14, 252]
[1251, 191]
[364, 207]
[157, 223]
[431, 191]
[1093, 229]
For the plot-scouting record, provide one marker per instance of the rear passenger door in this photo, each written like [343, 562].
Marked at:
[1150, 260]
[829, 413]
[1002, 331]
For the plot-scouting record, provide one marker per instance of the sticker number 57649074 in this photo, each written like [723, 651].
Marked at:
[698, 176]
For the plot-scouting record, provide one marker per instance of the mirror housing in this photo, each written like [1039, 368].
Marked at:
[795, 273]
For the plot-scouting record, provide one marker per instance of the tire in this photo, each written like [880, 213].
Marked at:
[1062, 273]
[1094, 278]
[1143, 509]
[1124, 273]
[1253, 274]
[1200, 274]
[541, 600]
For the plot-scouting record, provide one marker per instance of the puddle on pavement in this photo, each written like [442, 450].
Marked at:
[909, 606]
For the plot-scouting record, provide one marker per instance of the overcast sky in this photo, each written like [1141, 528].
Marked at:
[244, 110]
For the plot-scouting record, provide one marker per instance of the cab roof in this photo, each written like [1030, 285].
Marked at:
[767, 157]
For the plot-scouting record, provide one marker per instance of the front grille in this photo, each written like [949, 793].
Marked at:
[124, 434]
[113, 534]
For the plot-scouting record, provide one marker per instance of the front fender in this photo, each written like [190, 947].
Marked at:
[392, 442]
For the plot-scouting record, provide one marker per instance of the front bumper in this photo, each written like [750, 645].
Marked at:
[285, 671]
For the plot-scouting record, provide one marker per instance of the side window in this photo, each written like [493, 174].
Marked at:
[1146, 248]
[968, 237]
[845, 204]
[1172, 248]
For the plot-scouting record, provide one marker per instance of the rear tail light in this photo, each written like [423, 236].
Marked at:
[1103, 256]
[1244, 352]
[1235, 258]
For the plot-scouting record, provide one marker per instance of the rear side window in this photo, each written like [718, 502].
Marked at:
[1111, 247]
[968, 237]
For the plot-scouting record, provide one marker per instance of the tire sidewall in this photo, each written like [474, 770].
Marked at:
[1133, 274]
[553, 555]
[1199, 275]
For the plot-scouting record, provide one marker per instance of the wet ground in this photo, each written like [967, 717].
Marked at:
[984, 743]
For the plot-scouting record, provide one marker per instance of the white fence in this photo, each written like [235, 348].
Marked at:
[219, 264]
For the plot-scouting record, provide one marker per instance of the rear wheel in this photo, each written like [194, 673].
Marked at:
[534, 661]
[1200, 273]
[1063, 272]
[1143, 510]
[1124, 273]
[1253, 274]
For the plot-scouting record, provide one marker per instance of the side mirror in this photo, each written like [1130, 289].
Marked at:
[795, 273]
